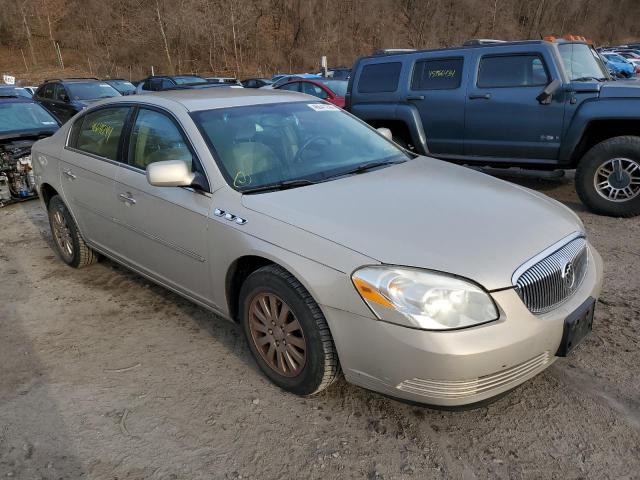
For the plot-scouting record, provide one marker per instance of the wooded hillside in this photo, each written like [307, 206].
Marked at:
[261, 37]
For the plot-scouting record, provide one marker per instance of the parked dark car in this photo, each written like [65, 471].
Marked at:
[228, 81]
[333, 91]
[66, 97]
[125, 87]
[162, 82]
[535, 104]
[255, 82]
[22, 123]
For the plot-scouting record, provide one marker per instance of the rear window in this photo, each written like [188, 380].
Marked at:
[512, 71]
[380, 77]
[439, 74]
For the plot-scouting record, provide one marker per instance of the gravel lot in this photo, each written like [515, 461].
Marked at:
[103, 375]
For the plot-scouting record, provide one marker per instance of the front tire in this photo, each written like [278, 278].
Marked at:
[287, 332]
[608, 177]
[67, 241]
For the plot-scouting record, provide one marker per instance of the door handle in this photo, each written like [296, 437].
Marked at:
[480, 96]
[127, 198]
[415, 97]
[70, 175]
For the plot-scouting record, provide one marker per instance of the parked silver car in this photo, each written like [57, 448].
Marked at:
[334, 248]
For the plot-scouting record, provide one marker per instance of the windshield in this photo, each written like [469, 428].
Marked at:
[339, 87]
[20, 116]
[582, 62]
[189, 79]
[262, 145]
[122, 85]
[90, 90]
[11, 91]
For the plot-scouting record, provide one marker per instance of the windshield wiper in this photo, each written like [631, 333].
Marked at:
[301, 182]
[365, 167]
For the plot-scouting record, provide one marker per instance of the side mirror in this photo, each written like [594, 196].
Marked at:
[64, 98]
[544, 98]
[385, 132]
[171, 173]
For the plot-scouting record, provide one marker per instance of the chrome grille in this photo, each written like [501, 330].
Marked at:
[476, 386]
[552, 280]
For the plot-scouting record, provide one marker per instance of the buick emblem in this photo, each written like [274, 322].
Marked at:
[569, 275]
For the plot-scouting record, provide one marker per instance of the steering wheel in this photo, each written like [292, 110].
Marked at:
[317, 139]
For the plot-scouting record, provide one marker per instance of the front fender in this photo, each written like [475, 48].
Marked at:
[596, 109]
[408, 114]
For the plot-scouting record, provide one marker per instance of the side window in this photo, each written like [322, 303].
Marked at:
[437, 74]
[292, 87]
[61, 93]
[47, 91]
[380, 77]
[155, 84]
[311, 89]
[100, 131]
[147, 84]
[156, 138]
[512, 71]
[166, 83]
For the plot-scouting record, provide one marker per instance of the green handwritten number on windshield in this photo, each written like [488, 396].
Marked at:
[444, 73]
[102, 129]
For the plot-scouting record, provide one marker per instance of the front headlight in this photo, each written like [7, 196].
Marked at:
[423, 299]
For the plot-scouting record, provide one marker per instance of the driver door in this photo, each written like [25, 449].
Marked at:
[503, 118]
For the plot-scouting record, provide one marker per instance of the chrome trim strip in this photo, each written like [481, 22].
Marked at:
[542, 255]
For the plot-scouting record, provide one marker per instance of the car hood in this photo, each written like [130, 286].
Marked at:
[620, 89]
[430, 214]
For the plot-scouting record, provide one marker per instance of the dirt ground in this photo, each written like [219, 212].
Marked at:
[105, 376]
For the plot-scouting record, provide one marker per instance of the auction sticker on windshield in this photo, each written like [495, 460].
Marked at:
[322, 107]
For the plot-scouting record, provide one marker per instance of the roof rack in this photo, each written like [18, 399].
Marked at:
[70, 78]
[481, 41]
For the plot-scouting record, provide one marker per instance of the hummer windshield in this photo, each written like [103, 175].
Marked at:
[582, 63]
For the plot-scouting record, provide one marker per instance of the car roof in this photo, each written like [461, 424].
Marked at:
[500, 44]
[211, 98]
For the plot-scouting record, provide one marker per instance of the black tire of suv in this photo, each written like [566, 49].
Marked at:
[322, 366]
[82, 255]
[625, 147]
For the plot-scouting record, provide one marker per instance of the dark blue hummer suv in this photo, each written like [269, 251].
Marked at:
[532, 104]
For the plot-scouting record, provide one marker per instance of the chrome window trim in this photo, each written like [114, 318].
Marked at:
[544, 254]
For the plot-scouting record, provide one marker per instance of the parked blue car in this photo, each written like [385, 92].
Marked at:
[618, 65]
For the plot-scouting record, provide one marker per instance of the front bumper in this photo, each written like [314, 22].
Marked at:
[456, 367]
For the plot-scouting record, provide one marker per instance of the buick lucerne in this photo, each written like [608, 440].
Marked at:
[335, 249]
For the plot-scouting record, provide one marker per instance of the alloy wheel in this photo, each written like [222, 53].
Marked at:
[277, 334]
[62, 234]
[618, 179]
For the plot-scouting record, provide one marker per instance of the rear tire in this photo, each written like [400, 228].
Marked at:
[608, 177]
[296, 325]
[67, 240]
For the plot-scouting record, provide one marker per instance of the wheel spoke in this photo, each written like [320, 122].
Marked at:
[259, 315]
[298, 342]
[259, 325]
[265, 308]
[271, 353]
[291, 365]
[295, 354]
[273, 307]
[284, 313]
[292, 326]
[262, 341]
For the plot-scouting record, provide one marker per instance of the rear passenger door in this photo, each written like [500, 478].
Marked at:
[166, 227]
[438, 92]
[88, 173]
[503, 118]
